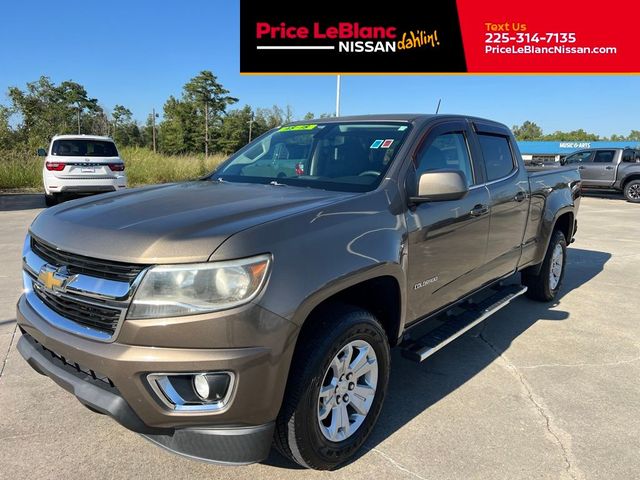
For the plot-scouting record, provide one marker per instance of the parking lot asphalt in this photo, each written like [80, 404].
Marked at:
[537, 391]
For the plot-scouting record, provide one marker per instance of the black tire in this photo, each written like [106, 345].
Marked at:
[539, 285]
[50, 200]
[298, 435]
[632, 191]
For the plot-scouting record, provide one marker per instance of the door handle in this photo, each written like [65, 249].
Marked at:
[580, 167]
[609, 168]
[479, 210]
[520, 196]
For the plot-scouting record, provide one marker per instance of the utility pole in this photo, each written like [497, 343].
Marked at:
[250, 126]
[338, 96]
[206, 129]
[153, 128]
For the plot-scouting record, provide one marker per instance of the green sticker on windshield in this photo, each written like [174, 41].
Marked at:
[293, 128]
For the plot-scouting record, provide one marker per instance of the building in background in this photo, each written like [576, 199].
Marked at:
[543, 151]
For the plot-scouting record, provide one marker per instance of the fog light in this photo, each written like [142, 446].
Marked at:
[211, 387]
[201, 385]
[193, 391]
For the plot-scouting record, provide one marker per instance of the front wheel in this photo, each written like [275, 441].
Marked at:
[336, 388]
[632, 191]
[545, 285]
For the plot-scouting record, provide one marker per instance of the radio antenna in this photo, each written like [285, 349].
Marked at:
[438, 107]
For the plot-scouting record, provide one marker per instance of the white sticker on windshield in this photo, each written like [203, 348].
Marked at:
[402, 128]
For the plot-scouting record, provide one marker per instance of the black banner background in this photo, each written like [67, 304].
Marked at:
[442, 16]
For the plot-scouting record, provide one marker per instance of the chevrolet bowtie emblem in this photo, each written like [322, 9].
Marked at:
[53, 278]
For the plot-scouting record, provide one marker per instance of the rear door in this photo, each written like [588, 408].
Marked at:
[601, 170]
[508, 185]
[447, 239]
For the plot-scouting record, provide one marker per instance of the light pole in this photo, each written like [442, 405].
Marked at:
[338, 96]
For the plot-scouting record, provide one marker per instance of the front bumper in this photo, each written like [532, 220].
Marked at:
[117, 385]
[218, 445]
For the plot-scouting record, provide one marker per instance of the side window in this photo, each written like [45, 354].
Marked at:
[604, 156]
[497, 156]
[448, 151]
[580, 157]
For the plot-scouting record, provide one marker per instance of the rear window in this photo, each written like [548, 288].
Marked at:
[84, 148]
[497, 156]
[604, 156]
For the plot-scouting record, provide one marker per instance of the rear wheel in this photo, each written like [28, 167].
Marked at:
[336, 388]
[544, 285]
[632, 191]
[51, 200]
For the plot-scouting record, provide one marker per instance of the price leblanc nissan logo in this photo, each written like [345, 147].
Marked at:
[343, 37]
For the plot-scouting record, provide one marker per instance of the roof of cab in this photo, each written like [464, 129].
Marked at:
[395, 117]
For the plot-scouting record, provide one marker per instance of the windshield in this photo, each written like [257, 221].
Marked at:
[84, 148]
[331, 156]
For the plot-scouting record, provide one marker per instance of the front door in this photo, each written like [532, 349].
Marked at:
[581, 160]
[447, 239]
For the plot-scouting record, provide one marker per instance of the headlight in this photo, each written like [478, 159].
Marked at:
[174, 290]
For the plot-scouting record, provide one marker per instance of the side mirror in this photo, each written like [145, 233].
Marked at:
[563, 161]
[42, 152]
[441, 185]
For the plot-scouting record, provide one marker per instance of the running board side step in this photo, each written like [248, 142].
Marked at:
[425, 346]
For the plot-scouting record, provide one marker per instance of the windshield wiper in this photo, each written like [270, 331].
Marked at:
[277, 184]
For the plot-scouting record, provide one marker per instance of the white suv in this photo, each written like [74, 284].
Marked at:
[81, 164]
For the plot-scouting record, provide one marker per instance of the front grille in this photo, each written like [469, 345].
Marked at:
[100, 318]
[122, 272]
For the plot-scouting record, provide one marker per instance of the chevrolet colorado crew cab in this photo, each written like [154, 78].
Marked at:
[80, 164]
[257, 305]
[609, 168]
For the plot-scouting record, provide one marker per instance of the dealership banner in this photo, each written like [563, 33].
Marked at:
[443, 36]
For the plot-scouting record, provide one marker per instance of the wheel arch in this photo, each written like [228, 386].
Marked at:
[564, 221]
[630, 178]
[379, 291]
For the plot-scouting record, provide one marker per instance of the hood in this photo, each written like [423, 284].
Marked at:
[173, 223]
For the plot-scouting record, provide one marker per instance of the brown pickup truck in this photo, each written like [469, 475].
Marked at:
[257, 306]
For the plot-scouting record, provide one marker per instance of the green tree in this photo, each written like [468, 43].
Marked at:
[179, 131]
[7, 135]
[308, 116]
[270, 117]
[634, 136]
[43, 109]
[40, 111]
[527, 131]
[120, 115]
[74, 94]
[210, 99]
[234, 131]
[579, 135]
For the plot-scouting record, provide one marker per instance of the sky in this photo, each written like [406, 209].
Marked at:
[136, 53]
